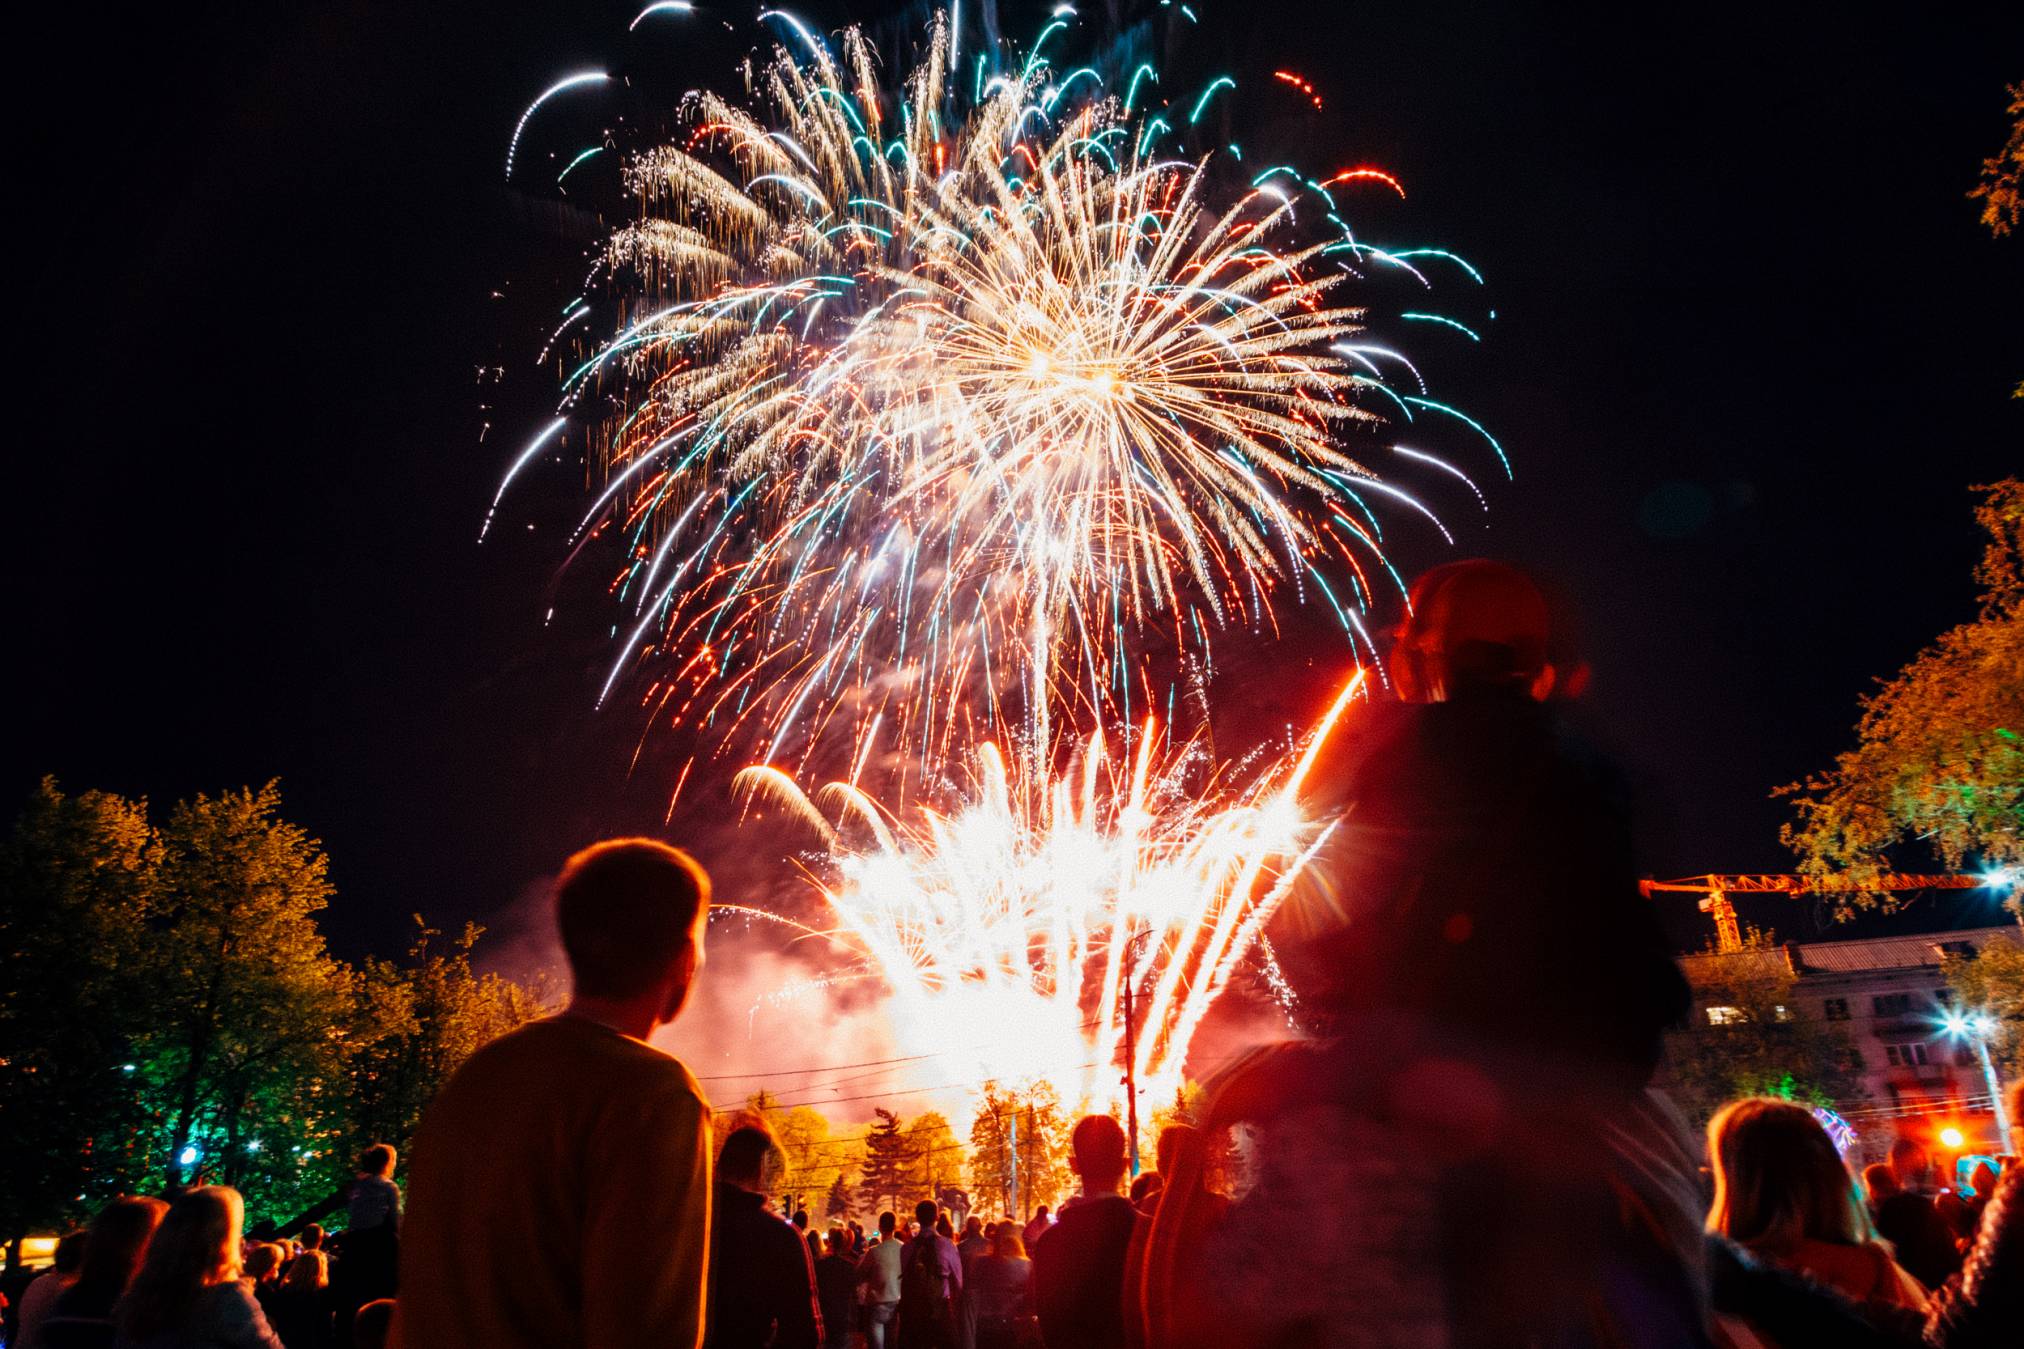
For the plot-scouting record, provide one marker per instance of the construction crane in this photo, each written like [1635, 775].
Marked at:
[1715, 891]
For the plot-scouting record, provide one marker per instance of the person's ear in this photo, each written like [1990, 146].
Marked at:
[1571, 681]
[1409, 673]
[681, 978]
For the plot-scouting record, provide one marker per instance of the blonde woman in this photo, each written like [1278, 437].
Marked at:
[1783, 1191]
[190, 1293]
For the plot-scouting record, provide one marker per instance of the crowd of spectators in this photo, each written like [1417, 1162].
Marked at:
[185, 1274]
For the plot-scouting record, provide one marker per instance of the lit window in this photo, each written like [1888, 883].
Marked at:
[1781, 1013]
[1725, 1016]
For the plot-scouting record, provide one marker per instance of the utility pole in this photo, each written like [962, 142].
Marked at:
[1131, 1050]
[1976, 1027]
[1012, 1188]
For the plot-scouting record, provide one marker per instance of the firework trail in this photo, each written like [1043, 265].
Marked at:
[1009, 925]
[936, 408]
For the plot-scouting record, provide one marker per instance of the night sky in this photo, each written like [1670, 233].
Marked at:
[1751, 348]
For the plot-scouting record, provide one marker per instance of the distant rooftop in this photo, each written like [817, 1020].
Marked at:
[1892, 953]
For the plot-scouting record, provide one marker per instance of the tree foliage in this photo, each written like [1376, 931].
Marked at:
[1991, 983]
[2001, 190]
[813, 1163]
[170, 1013]
[452, 1012]
[1939, 753]
[77, 884]
[1760, 1040]
[885, 1167]
[256, 1020]
[933, 1157]
[1032, 1116]
[840, 1202]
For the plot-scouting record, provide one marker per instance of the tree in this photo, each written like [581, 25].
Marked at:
[1939, 753]
[1750, 1036]
[885, 1150]
[1183, 1109]
[448, 1011]
[933, 1157]
[77, 881]
[814, 1161]
[258, 1022]
[1991, 982]
[1032, 1116]
[840, 1203]
[992, 1175]
[169, 996]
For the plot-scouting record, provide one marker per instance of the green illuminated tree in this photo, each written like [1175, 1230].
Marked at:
[1751, 1035]
[77, 882]
[1939, 754]
[168, 995]
[258, 1022]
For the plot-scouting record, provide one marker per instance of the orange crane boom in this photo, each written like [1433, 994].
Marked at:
[1715, 891]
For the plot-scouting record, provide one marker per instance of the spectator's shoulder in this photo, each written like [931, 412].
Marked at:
[506, 1052]
[670, 1079]
[647, 1089]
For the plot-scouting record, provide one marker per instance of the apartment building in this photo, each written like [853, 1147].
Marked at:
[1888, 998]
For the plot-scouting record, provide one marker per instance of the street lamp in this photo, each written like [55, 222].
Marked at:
[1976, 1027]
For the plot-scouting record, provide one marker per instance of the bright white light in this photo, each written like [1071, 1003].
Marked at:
[533, 448]
[188, 1156]
[587, 77]
[664, 7]
[1999, 878]
[253, 1145]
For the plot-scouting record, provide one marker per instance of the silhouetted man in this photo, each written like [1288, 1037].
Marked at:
[836, 1288]
[762, 1281]
[1078, 1263]
[931, 1279]
[560, 1186]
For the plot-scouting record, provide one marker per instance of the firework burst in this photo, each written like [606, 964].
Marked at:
[934, 414]
[1010, 925]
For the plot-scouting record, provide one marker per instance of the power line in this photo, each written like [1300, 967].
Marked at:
[823, 1068]
[868, 1063]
